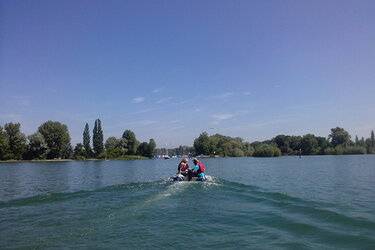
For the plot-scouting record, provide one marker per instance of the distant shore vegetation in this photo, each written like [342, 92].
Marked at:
[338, 142]
[52, 141]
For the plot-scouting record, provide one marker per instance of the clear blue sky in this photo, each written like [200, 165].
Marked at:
[170, 70]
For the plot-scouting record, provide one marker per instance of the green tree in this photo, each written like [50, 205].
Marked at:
[181, 150]
[255, 144]
[339, 136]
[142, 149]
[115, 153]
[369, 149]
[111, 143]
[266, 150]
[115, 148]
[339, 149]
[131, 141]
[122, 144]
[323, 144]
[100, 138]
[67, 151]
[37, 146]
[56, 136]
[276, 152]
[151, 148]
[370, 144]
[4, 146]
[249, 150]
[361, 142]
[79, 152]
[282, 142]
[309, 144]
[97, 138]
[295, 144]
[16, 140]
[202, 144]
[354, 150]
[86, 141]
[237, 152]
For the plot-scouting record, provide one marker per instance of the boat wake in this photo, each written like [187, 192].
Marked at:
[230, 207]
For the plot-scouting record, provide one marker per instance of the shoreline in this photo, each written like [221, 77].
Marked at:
[127, 159]
[70, 160]
[50, 160]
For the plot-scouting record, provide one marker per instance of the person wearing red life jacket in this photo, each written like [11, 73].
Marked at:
[198, 170]
[183, 167]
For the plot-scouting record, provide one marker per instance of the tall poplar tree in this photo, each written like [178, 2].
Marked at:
[86, 141]
[97, 139]
[151, 148]
[100, 138]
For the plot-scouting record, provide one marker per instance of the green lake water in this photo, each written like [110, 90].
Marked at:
[319, 202]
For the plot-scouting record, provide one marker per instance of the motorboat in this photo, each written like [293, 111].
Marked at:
[187, 177]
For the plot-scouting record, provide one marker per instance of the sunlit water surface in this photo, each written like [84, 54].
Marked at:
[321, 202]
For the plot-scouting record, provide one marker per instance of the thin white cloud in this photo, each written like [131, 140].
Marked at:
[221, 117]
[163, 100]
[158, 90]
[197, 110]
[224, 96]
[180, 103]
[177, 128]
[142, 111]
[146, 122]
[259, 125]
[138, 99]
[139, 123]
[176, 121]
[243, 112]
[246, 93]
[267, 123]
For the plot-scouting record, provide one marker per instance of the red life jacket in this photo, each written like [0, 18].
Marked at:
[184, 167]
[201, 168]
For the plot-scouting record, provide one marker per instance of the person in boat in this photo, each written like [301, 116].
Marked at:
[183, 167]
[197, 171]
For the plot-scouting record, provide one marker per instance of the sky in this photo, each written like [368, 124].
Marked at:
[170, 70]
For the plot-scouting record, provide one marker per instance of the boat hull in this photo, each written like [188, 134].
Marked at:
[185, 178]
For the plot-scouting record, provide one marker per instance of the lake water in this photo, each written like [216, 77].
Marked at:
[320, 202]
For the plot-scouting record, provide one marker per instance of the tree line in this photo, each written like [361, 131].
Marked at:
[181, 150]
[338, 142]
[52, 141]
